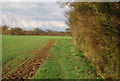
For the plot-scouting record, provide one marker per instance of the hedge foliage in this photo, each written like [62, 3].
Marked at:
[95, 28]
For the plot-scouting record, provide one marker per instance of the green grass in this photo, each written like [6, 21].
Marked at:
[65, 63]
[19, 48]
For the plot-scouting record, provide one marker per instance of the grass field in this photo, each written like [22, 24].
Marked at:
[63, 63]
[18, 48]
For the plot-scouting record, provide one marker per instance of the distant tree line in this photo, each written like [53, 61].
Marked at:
[95, 28]
[37, 32]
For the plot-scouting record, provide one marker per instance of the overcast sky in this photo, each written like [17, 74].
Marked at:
[29, 15]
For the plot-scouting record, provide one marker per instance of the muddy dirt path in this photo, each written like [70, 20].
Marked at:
[31, 65]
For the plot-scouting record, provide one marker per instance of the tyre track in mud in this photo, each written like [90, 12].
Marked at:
[31, 65]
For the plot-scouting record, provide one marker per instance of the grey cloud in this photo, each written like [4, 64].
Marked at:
[44, 11]
[30, 15]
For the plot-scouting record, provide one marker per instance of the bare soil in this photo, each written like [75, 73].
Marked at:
[31, 65]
